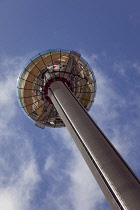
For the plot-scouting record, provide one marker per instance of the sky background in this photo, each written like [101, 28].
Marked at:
[43, 169]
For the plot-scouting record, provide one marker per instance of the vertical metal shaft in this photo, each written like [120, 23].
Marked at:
[117, 181]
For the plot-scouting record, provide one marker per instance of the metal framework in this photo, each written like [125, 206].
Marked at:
[45, 68]
[56, 89]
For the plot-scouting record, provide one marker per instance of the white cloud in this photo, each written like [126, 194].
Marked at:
[84, 191]
[117, 112]
[106, 99]
[17, 195]
[126, 67]
[81, 186]
[10, 68]
[49, 164]
[121, 68]
[19, 174]
[136, 66]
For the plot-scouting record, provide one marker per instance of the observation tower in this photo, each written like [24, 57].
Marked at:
[57, 88]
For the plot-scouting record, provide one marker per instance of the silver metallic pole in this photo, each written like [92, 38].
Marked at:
[117, 181]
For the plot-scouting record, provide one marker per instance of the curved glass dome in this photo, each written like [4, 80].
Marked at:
[45, 68]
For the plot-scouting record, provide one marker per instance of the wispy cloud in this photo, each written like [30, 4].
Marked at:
[77, 186]
[19, 172]
[49, 164]
[116, 107]
[136, 66]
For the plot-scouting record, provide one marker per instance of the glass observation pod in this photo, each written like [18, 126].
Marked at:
[46, 68]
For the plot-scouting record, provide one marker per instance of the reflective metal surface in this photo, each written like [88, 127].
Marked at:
[116, 179]
[45, 68]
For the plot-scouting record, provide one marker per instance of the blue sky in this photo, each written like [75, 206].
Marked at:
[43, 169]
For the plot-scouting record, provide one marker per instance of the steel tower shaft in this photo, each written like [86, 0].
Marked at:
[117, 181]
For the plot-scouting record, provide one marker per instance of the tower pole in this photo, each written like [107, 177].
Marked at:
[117, 181]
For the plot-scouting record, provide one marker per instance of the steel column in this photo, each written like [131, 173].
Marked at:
[117, 181]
